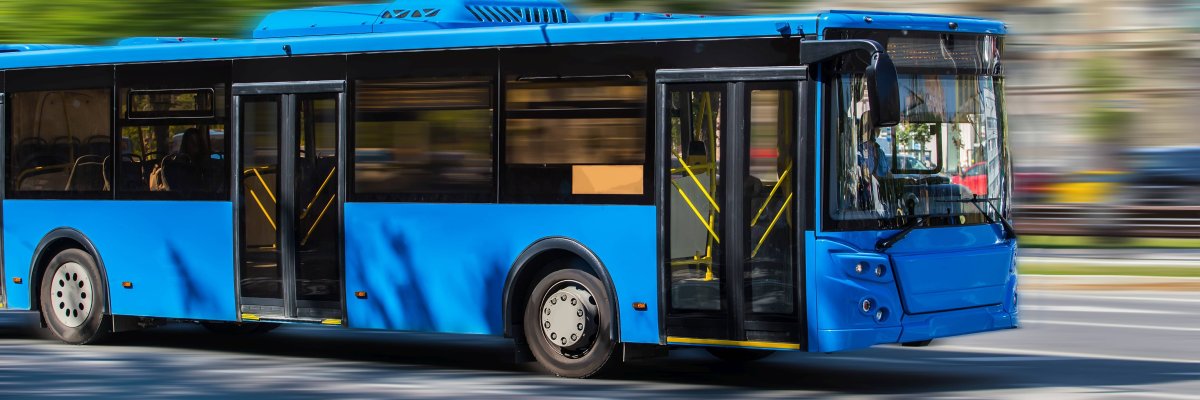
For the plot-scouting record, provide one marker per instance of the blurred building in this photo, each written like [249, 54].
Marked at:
[1070, 60]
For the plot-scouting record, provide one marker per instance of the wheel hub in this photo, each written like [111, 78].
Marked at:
[568, 317]
[71, 294]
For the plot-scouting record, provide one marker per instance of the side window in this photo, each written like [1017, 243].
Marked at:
[423, 140]
[60, 143]
[172, 144]
[576, 140]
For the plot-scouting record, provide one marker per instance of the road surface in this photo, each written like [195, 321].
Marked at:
[1111, 344]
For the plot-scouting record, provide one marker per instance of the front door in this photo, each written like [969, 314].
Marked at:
[731, 176]
[289, 203]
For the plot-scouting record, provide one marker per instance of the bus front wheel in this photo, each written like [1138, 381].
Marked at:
[568, 325]
[73, 299]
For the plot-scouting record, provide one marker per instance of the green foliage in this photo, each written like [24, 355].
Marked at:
[101, 21]
[913, 134]
[1106, 119]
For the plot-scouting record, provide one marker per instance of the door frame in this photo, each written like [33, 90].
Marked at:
[3, 180]
[735, 82]
[287, 92]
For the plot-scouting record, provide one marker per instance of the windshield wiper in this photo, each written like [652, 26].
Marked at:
[886, 243]
[1009, 232]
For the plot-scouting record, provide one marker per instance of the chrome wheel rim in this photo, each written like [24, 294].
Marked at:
[569, 318]
[71, 294]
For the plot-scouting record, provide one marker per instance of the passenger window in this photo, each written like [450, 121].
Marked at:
[60, 142]
[172, 145]
[576, 140]
[424, 140]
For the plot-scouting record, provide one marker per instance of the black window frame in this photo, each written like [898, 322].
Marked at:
[176, 76]
[52, 79]
[415, 66]
[634, 61]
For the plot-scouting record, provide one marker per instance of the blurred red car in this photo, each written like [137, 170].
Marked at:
[974, 178]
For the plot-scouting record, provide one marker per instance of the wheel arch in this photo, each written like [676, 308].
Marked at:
[533, 260]
[51, 244]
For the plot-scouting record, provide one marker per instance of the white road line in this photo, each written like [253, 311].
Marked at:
[1036, 294]
[1108, 262]
[1123, 326]
[995, 350]
[1102, 310]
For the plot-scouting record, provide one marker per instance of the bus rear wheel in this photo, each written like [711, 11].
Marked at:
[73, 299]
[567, 324]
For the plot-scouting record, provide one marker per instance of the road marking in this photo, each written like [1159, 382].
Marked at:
[1035, 294]
[1123, 326]
[1104, 310]
[996, 350]
[1109, 262]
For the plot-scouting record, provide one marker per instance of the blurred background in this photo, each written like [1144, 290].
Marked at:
[1103, 95]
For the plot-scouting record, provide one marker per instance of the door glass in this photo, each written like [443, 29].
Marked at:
[694, 214]
[318, 284]
[260, 270]
[770, 199]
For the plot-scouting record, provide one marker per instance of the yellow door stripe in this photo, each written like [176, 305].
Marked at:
[737, 343]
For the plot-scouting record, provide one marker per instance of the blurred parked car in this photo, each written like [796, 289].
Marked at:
[1034, 185]
[1163, 176]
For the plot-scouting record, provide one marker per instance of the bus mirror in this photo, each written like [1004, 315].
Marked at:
[883, 89]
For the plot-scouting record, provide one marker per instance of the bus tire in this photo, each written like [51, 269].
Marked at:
[73, 298]
[239, 328]
[737, 355]
[582, 343]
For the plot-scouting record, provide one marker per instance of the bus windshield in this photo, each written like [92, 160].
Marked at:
[944, 162]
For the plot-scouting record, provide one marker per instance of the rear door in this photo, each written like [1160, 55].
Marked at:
[730, 196]
[289, 203]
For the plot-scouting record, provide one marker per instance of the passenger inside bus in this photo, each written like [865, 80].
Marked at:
[187, 169]
[873, 164]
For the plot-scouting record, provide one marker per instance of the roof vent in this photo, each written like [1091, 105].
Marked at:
[518, 14]
[412, 15]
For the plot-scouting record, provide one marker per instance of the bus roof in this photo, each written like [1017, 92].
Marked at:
[447, 24]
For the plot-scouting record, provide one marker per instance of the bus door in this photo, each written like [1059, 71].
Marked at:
[731, 174]
[289, 142]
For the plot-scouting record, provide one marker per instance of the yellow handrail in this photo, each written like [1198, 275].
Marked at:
[264, 183]
[316, 196]
[771, 227]
[697, 211]
[711, 200]
[264, 209]
[771, 196]
[320, 217]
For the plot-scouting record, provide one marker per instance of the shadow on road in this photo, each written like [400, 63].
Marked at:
[362, 358]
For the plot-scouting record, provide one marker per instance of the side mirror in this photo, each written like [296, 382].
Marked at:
[883, 90]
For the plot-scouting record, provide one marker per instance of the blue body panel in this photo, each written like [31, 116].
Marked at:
[178, 255]
[442, 267]
[937, 282]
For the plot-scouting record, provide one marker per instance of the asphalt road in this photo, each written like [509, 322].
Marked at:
[1113, 344]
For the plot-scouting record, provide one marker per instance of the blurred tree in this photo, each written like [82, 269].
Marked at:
[1108, 116]
[100, 21]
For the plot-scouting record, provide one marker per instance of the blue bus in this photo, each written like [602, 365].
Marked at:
[597, 188]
